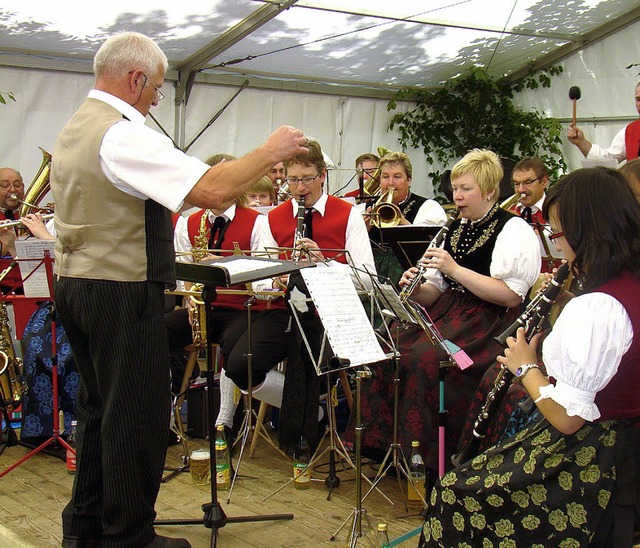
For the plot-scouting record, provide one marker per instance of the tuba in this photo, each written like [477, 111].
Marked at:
[12, 387]
[385, 213]
[38, 188]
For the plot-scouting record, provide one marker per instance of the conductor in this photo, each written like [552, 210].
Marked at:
[116, 182]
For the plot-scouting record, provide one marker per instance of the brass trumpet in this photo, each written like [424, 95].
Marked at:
[385, 213]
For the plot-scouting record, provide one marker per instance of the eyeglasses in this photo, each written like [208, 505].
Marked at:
[159, 94]
[527, 184]
[555, 235]
[306, 181]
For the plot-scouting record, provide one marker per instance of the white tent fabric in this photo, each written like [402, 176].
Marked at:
[345, 126]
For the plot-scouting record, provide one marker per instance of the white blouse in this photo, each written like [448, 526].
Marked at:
[515, 259]
[584, 350]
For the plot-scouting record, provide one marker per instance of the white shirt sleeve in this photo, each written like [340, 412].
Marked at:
[430, 213]
[584, 350]
[145, 164]
[516, 256]
[181, 241]
[515, 259]
[617, 149]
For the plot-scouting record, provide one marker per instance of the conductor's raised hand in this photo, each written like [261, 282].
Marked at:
[286, 142]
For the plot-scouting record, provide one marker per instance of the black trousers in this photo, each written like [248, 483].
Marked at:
[229, 328]
[117, 334]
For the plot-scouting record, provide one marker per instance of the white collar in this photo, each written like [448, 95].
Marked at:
[228, 213]
[124, 108]
[320, 206]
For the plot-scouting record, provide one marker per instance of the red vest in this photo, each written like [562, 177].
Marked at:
[238, 231]
[632, 140]
[329, 232]
[619, 399]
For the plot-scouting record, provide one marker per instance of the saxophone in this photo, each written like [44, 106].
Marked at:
[12, 387]
[200, 248]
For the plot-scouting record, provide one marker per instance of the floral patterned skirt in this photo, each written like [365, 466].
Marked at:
[537, 488]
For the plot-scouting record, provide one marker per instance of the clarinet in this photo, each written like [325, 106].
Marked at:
[299, 233]
[408, 290]
[532, 320]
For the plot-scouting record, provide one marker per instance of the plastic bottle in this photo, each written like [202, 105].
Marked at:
[71, 440]
[418, 476]
[301, 470]
[382, 537]
[223, 468]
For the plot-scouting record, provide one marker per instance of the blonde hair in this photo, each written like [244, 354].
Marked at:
[486, 168]
[263, 185]
[397, 158]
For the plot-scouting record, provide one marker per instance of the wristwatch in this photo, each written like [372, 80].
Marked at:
[524, 369]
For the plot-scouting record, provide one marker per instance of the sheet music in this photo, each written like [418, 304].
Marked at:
[243, 265]
[345, 321]
[37, 285]
[392, 300]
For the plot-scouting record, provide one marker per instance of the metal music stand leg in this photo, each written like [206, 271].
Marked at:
[56, 437]
[359, 511]
[214, 516]
[395, 457]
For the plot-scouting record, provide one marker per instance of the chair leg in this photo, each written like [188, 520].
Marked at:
[344, 381]
[262, 412]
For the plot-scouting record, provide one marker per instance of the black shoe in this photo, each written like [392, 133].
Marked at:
[81, 542]
[166, 542]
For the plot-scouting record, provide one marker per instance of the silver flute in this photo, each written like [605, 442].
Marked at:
[17, 222]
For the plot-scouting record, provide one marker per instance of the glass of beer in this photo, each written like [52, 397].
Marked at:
[200, 466]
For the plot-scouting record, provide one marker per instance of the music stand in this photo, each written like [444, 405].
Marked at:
[47, 260]
[225, 272]
[408, 242]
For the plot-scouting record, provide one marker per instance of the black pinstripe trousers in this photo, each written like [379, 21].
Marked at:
[117, 335]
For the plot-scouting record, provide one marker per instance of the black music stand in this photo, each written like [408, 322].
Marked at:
[225, 272]
[408, 242]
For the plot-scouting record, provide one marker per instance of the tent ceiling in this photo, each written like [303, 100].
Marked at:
[359, 46]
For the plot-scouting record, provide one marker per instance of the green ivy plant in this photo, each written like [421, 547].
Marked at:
[4, 95]
[474, 110]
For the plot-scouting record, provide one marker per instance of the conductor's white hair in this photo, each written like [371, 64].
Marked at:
[128, 51]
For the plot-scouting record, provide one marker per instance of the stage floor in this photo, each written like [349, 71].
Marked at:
[33, 495]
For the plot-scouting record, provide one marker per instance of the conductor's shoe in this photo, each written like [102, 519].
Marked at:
[80, 542]
[166, 542]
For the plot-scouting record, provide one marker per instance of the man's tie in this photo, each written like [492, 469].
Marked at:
[526, 214]
[9, 214]
[217, 232]
[308, 223]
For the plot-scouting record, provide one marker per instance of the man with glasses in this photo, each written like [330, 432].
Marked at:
[530, 179]
[330, 224]
[115, 182]
[11, 191]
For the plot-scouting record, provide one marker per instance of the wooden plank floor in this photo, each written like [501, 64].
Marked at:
[33, 495]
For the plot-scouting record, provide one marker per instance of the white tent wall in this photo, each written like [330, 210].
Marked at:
[345, 126]
[606, 85]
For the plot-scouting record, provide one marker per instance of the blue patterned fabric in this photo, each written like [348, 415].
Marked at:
[37, 403]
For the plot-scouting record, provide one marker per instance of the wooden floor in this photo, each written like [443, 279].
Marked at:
[33, 495]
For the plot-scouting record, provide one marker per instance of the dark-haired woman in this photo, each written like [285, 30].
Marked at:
[569, 478]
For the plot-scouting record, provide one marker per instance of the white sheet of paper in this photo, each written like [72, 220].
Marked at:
[37, 285]
[240, 266]
[345, 321]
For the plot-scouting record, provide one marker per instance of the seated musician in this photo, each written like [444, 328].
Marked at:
[261, 194]
[212, 233]
[332, 224]
[11, 186]
[473, 288]
[366, 165]
[631, 172]
[571, 477]
[530, 179]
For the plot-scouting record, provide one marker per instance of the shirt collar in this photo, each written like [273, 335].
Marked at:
[123, 108]
[319, 206]
[228, 214]
[535, 207]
